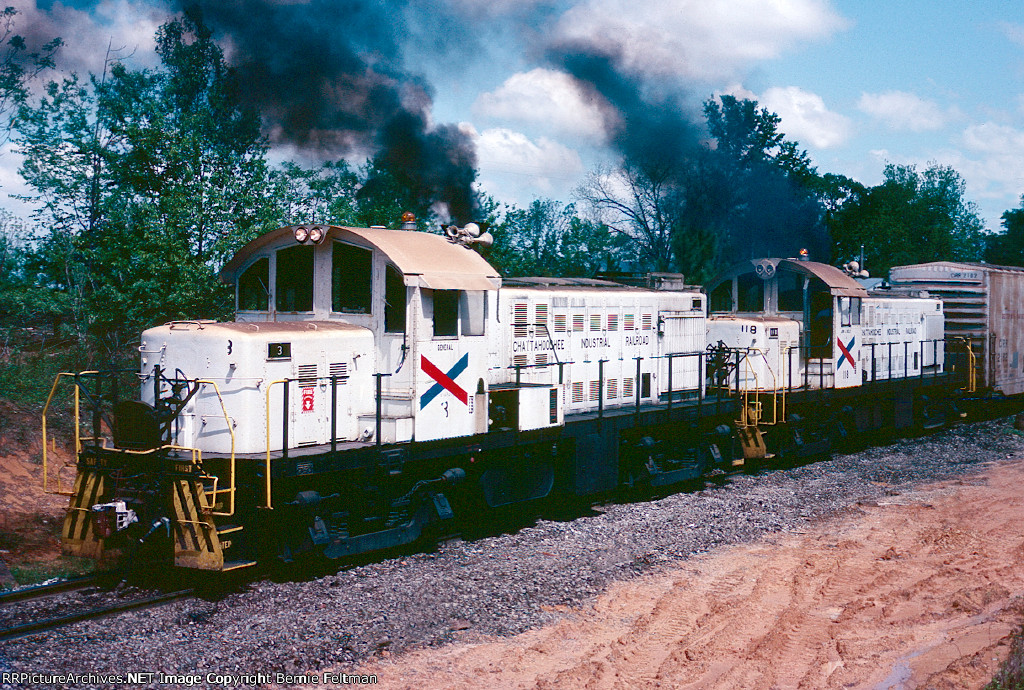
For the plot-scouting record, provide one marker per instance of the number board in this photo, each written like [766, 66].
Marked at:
[279, 350]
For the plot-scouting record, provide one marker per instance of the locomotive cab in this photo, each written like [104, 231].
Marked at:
[824, 329]
[425, 300]
[811, 314]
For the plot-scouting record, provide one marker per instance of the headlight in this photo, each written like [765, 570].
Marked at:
[316, 234]
[301, 233]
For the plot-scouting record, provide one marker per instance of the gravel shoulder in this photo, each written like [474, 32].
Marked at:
[556, 575]
[919, 590]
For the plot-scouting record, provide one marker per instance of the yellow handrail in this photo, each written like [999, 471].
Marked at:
[972, 374]
[231, 431]
[267, 469]
[78, 440]
[757, 388]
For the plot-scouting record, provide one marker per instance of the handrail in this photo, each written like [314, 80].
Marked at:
[757, 388]
[270, 385]
[78, 438]
[972, 374]
[745, 416]
[231, 465]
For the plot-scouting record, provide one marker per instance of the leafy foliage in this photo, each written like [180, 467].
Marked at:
[1007, 247]
[19, 65]
[146, 180]
[911, 217]
[771, 203]
[549, 239]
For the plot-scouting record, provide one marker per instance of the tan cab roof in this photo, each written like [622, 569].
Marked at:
[427, 260]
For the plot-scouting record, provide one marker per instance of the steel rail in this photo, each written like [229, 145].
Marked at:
[40, 591]
[92, 614]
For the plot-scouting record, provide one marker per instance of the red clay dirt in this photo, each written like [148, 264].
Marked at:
[30, 518]
[917, 590]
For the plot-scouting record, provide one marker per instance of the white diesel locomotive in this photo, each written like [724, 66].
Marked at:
[378, 381]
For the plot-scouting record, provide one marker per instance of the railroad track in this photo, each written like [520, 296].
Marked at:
[33, 627]
[40, 591]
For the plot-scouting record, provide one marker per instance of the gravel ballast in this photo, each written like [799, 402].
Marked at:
[497, 585]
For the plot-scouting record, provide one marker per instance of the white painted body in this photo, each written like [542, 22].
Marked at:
[907, 334]
[241, 361]
[769, 346]
[596, 334]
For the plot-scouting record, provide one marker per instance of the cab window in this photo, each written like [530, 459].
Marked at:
[750, 289]
[394, 301]
[721, 297]
[473, 305]
[446, 313]
[351, 279]
[294, 281]
[254, 287]
[791, 291]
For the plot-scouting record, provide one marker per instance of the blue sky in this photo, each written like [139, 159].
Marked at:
[858, 84]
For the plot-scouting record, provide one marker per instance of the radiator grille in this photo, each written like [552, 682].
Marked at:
[306, 375]
[577, 391]
[339, 370]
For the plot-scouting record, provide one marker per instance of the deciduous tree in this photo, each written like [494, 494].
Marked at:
[1007, 247]
[911, 217]
[549, 239]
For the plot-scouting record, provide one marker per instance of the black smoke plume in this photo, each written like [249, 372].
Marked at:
[328, 76]
[656, 124]
[645, 122]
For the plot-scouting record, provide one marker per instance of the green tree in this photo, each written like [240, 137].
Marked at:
[638, 201]
[147, 180]
[549, 239]
[749, 136]
[911, 217]
[18, 66]
[326, 194]
[750, 192]
[770, 204]
[1006, 248]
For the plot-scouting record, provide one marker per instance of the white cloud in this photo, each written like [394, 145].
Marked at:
[993, 161]
[543, 97]
[1014, 32]
[805, 117]
[705, 39]
[515, 168]
[127, 28]
[901, 110]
